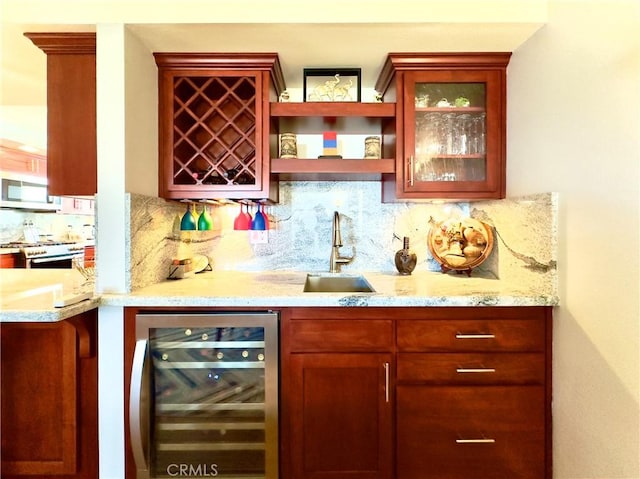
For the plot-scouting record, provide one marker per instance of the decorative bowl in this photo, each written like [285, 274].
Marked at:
[460, 244]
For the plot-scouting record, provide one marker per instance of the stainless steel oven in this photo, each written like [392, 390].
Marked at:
[49, 254]
[61, 255]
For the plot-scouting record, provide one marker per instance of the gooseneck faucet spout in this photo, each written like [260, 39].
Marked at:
[335, 261]
[335, 230]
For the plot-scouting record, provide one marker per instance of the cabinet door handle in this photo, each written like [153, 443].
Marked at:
[475, 370]
[475, 336]
[483, 440]
[386, 382]
[138, 409]
[411, 170]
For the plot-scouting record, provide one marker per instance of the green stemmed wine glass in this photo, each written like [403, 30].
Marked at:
[204, 220]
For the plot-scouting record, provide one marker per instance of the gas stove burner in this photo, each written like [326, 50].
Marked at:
[49, 254]
[16, 244]
[50, 250]
[21, 244]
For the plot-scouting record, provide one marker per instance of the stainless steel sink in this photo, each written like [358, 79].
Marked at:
[317, 283]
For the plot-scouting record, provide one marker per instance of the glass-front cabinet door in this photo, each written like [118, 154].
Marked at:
[204, 395]
[454, 134]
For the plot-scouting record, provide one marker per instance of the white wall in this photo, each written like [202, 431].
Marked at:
[111, 230]
[24, 124]
[111, 145]
[573, 127]
[127, 117]
[141, 100]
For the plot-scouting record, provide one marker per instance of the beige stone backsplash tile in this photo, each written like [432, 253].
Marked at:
[301, 236]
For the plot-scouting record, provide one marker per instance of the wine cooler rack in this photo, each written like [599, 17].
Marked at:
[212, 395]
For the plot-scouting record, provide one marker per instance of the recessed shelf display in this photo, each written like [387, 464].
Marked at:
[353, 122]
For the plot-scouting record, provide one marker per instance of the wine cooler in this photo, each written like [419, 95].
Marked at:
[204, 395]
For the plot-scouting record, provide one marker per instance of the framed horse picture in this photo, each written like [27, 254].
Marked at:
[332, 84]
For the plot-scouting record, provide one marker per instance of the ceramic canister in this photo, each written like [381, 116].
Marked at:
[288, 146]
[372, 148]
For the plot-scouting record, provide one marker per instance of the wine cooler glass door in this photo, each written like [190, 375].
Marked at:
[212, 408]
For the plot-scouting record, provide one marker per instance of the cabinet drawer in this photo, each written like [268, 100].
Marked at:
[470, 432]
[11, 260]
[89, 256]
[471, 368]
[471, 335]
[341, 335]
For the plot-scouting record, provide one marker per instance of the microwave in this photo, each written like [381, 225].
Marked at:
[26, 192]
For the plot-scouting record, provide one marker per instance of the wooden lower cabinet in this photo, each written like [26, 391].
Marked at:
[342, 415]
[473, 393]
[335, 394]
[409, 393]
[49, 404]
[468, 390]
[11, 260]
[89, 256]
[467, 432]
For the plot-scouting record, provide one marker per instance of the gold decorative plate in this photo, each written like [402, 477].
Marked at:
[460, 244]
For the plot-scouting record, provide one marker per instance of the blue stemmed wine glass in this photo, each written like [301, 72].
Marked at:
[258, 222]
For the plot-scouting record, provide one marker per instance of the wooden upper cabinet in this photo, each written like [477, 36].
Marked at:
[214, 124]
[15, 160]
[451, 119]
[71, 111]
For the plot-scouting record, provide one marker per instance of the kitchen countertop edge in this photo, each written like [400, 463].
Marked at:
[49, 315]
[326, 300]
[285, 289]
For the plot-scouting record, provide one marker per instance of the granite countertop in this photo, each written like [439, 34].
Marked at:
[284, 289]
[29, 297]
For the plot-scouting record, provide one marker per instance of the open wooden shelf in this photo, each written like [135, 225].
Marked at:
[333, 109]
[451, 109]
[303, 165]
[335, 169]
[348, 169]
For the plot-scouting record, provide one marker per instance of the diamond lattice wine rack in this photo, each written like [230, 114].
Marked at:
[213, 114]
[214, 131]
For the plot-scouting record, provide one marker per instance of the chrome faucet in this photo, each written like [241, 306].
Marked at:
[336, 242]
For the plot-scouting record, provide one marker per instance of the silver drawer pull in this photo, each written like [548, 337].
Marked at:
[475, 370]
[475, 441]
[475, 336]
